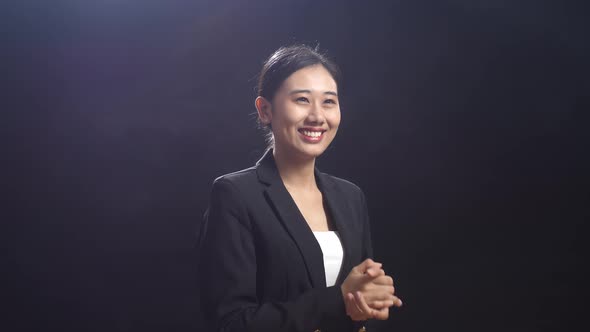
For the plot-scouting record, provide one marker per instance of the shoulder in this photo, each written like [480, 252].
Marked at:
[340, 182]
[346, 194]
[229, 193]
[342, 185]
[237, 178]
[238, 183]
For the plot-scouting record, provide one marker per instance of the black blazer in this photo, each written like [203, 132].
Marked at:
[261, 268]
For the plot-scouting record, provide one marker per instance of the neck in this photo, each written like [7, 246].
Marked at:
[296, 173]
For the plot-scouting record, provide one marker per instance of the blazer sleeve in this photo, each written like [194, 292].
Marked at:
[367, 242]
[367, 252]
[228, 277]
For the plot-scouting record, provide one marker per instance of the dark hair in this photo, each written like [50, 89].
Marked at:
[284, 62]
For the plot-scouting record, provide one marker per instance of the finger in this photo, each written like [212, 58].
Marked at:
[355, 303]
[384, 280]
[372, 275]
[394, 301]
[381, 304]
[349, 299]
[373, 296]
[382, 314]
[371, 287]
[368, 287]
[374, 264]
[352, 309]
[380, 309]
[356, 312]
[375, 272]
[363, 306]
[367, 263]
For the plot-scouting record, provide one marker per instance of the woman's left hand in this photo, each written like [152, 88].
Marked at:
[363, 307]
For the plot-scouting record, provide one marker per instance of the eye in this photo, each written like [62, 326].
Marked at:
[330, 101]
[302, 99]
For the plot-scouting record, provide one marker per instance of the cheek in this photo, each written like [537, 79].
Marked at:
[285, 123]
[291, 117]
[334, 119]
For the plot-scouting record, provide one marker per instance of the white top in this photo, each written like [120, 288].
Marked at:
[333, 254]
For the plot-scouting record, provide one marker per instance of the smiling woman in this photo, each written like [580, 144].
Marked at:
[287, 247]
[304, 113]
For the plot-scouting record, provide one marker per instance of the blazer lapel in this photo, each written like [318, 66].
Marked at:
[292, 219]
[338, 211]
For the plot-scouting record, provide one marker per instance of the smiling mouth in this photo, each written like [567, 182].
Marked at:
[312, 135]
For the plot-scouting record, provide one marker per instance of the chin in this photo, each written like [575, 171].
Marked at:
[302, 150]
[312, 151]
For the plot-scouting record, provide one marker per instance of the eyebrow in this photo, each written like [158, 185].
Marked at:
[309, 91]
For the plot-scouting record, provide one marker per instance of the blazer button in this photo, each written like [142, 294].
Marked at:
[363, 329]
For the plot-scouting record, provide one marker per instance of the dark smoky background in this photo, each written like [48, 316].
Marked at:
[465, 123]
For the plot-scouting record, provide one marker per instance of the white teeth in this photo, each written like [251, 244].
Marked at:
[312, 133]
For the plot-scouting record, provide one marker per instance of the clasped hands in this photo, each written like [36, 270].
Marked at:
[368, 292]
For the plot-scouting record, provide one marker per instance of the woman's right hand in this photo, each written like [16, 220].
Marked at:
[368, 292]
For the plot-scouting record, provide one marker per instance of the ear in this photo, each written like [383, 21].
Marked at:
[263, 107]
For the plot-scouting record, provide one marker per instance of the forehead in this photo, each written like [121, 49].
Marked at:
[315, 78]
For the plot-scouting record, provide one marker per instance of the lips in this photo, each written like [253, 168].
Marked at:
[312, 135]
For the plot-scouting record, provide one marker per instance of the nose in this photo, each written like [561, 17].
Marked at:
[316, 114]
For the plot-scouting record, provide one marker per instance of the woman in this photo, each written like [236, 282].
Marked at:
[286, 247]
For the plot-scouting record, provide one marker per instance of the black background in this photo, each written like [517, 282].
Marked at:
[465, 123]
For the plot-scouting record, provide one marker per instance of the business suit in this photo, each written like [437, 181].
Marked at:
[261, 266]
